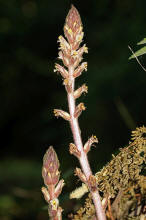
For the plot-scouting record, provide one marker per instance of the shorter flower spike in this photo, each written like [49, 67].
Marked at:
[61, 113]
[79, 110]
[61, 70]
[89, 143]
[80, 174]
[78, 71]
[79, 91]
[52, 190]
[74, 150]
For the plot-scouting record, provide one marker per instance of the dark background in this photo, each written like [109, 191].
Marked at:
[30, 90]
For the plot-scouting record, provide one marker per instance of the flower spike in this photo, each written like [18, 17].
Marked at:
[71, 54]
[52, 190]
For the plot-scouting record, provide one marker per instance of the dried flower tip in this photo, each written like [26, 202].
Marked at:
[61, 70]
[80, 174]
[80, 69]
[58, 188]
[79, 192]
[92, 183]
[61, 113]
[79, 110]
[46, 194]
[73, 28]
[89, 143]
[50, 168]
[74, 150]
[79, 91]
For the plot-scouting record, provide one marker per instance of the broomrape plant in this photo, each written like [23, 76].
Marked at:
[114, 178]
[71, 54]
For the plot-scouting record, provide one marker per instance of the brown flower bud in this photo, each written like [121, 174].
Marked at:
[61, 113]
[79, 91]
[79, 110]
[92, 183]
[74, 150]
[78, 55]
[61, 70]
[80, 69]
[89, 143]
[68, 85]
[50, 171]
[80, 174]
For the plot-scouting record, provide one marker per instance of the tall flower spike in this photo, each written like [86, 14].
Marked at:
[71, 55]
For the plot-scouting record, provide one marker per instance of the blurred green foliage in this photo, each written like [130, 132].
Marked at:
[30, 91]
[141, 51]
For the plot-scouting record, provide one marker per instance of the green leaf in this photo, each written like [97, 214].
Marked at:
[142, 41]
[138, 53]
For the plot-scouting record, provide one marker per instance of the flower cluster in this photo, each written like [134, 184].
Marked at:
[71, 54]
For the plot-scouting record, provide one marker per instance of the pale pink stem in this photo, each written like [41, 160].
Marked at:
[78, 142]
